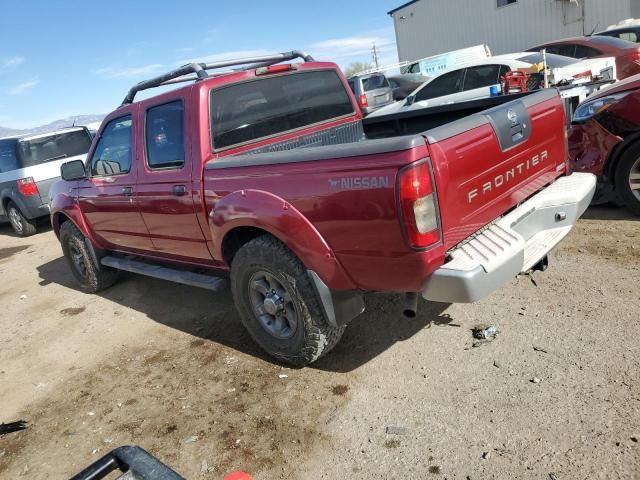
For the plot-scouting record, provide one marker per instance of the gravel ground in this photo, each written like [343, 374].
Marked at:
[169, 368]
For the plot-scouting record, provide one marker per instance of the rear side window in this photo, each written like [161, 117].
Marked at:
[8, 159]
[566, 50]
[112, 155]
[34, 151]
[271, 105]
[165, 135]
[446, 84]
[586, 52]
[352, 85]
[481, 76]
[374, 82]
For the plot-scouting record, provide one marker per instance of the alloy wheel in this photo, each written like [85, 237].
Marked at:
[16, 220]
[634, 179]
[273, 305]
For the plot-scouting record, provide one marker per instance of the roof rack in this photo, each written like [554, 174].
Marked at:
[182, 74]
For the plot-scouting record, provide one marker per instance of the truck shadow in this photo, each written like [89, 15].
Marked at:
[609, 212]
[213, 317]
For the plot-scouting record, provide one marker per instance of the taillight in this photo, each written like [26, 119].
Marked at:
[633, 56]
[364, 103]
[27, 187]
[417, 199]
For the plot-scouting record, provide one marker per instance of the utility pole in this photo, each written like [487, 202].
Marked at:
[375, 56]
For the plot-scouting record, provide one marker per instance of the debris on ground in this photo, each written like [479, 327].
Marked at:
[535, 380]
[485, 332]
[496, 364]
[486, 455]
[538, 349]
[12, 427]
[283, 375]
[393, 430]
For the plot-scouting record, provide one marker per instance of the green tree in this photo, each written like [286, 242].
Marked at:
[356, 67]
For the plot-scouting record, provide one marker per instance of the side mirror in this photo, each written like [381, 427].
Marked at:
[73, 170]
[410, 100]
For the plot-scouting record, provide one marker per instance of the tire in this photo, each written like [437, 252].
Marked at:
[21, 225]
[626, 174]
[278, 304]
[91, 278]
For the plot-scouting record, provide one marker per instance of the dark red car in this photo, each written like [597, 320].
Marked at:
[605, 140]
[627, 54]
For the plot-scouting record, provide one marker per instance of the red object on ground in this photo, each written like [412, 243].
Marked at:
[238, 476]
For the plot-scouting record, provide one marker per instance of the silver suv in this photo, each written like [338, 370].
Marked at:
[29, 165]
[372, 91]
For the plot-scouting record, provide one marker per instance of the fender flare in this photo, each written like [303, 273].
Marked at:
[65, 205]
[268, 212]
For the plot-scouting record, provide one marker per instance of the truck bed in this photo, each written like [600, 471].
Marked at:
[347, 191]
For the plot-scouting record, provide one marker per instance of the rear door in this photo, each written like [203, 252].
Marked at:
[107, 196]
[168, 179]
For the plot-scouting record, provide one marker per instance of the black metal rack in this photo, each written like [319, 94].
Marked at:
[183, 74]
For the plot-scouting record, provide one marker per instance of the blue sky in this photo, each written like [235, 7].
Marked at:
[64, 58]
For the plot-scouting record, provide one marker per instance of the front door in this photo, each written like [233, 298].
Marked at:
[107, 196]
[169, 184]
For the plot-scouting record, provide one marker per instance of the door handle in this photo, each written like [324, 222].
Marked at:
[127, 191]
[179, 190]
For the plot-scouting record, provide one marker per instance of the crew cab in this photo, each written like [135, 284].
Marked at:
[266, 176]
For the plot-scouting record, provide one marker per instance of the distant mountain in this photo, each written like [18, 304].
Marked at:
[50, 127]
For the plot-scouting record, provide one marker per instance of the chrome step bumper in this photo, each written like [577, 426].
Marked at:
[513, 244]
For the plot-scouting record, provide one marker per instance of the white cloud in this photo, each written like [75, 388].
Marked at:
[131, 72]
[13, 62]
[23, 87]
[339, 48]
[218, 57]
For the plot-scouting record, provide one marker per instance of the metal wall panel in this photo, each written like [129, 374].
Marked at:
[429, 27]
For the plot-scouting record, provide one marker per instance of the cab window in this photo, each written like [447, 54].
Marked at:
[164, 133]
[112, 155]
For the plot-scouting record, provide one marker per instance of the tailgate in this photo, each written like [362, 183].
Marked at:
[489, 162]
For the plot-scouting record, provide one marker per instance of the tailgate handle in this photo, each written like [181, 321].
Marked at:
[511, 123]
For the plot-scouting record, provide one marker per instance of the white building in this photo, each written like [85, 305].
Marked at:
[429, 27]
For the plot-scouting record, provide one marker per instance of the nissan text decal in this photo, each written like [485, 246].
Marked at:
[354, 183]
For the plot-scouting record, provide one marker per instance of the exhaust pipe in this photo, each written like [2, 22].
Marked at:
[410, 305]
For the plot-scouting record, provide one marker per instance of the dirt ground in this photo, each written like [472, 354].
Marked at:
[169, 368]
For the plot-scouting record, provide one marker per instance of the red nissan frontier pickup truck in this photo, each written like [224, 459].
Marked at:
[263, 174]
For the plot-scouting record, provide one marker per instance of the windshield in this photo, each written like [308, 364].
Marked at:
[374, 82]
[34, 151]
[553, 60]
[613, 42]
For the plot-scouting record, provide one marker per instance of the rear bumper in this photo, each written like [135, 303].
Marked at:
[513, 244]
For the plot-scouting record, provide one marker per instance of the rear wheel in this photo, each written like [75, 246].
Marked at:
[20, 224]
[91, 277]
[278, 305]
[627, 179]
